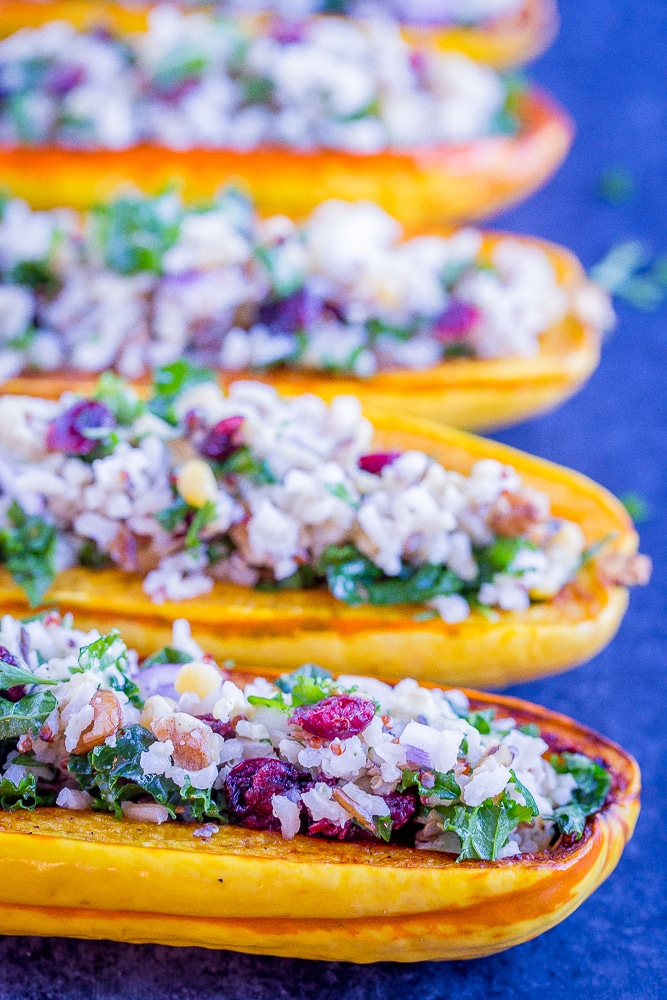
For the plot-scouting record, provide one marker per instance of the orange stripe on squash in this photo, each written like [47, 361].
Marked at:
[445, 182]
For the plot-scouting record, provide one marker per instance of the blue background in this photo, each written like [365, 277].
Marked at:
[608, 68]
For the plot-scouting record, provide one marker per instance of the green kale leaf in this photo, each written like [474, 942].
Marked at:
[203, 803]
[430, 784]
[27, 546]
[11, 676]
[133, 233]
[26, 715]
[168, 654]
[593, 783]
[484, 829]
[24, 795]
[113, 775]
[307, 684]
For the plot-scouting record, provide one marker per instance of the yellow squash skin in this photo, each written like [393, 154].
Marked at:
[418, 186]
[504, 42]
[92, 876]
[284, 629]
[467, 393]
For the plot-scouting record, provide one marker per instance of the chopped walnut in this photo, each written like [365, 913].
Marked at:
[514, 514]
[195, 743]
[618, 569]
[107, 717]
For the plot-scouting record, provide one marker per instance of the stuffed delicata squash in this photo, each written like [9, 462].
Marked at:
[471, 328]
[501, 33]
[339, 109]
[305, 816]
[304, 532]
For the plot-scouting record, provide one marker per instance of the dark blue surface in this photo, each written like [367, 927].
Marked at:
[608, 68]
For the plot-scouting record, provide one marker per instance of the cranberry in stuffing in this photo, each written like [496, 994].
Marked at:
[66, 432]
[456, 321]
[402, 807]
[375, 463]
[224, 729]
[299, 311]
[221, 440]
[250, 786]
[339, 716]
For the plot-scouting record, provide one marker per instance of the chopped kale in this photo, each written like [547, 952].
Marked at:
[636, 506]
[133, 233]
[616, 185]
[171, 517]
[484, 829]
[242, 462]
[307, 685]
[168, 654]
[113, 775]
[11, 676]
[26, 715]
[530, 729]
[628, 272]
[593, 783]
[204, 516]
[383, 827]
[355, 579]
[430, 784]
[27, 546]
[34, 274]
[25, 795]
[203, 803]
[120, 398]
[481, 720]
[171, 380]
[92, 556]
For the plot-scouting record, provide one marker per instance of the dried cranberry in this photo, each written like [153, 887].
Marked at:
[66, 432]
[402, 807]
[376, 462]
[222, 439]
[250, 786]
[224, 729]
[325, 828]
[297, 312]
[62, 79]
[340, 715]
[287, 32]
[456, 321]
[13, 693]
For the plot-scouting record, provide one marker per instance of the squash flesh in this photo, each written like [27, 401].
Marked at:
[285, 629]
[305, 898]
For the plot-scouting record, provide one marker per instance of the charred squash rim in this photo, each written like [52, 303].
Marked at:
[282, 630]
[474, 394]
[444, 182]
[501, 42]
[257, 893]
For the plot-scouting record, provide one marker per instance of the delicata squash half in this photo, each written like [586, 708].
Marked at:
[306, 532]
[501, 33]
[333, 108]
[471, 328]
[307, 816]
